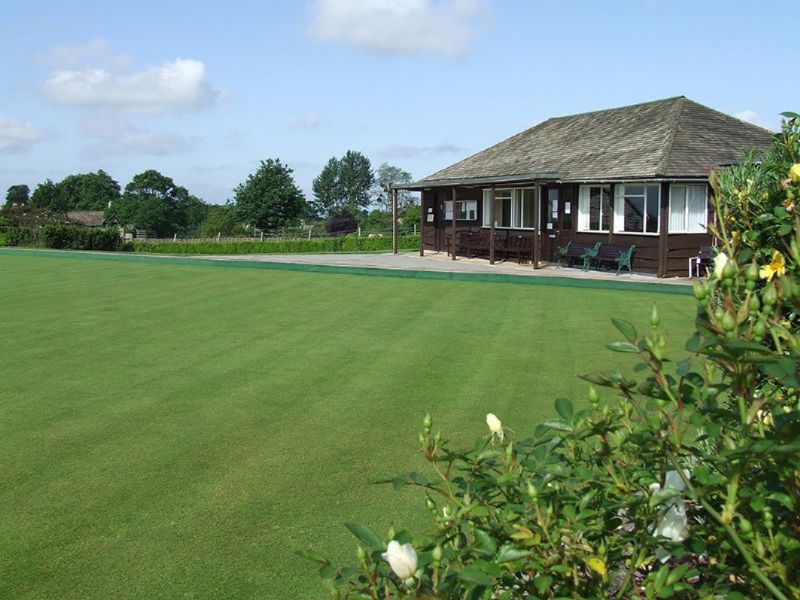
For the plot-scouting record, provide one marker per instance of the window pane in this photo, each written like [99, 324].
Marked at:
[651, 217]
[606, 199]
[634, 214]
[594, 208]
[634, 190]
[498, 211]
[505, 221]
[697, 209]
[527, 208]
[487, 195]
[448, 210]
[677, 208]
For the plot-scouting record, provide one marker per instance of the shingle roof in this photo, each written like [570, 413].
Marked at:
[88, 218]
[675, 137]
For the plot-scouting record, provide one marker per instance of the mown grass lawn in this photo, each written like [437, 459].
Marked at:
[170, 430]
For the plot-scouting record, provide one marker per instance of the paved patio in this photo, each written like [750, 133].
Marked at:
[439, 261]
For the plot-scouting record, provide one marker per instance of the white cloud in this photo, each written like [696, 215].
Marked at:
[443, 27]
[309, 121]
[17, 135]
[171, 87]
[402, 151]
[753, 117]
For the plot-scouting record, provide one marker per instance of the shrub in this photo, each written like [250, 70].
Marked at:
[342, 223]
[338, 244]
[21, 236]
[686, 484]
[75, 237]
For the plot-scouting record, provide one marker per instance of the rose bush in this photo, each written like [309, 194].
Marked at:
[685, 483]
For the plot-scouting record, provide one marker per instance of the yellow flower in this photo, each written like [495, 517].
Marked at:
[777, 266]
[794, 172]
[597, 565]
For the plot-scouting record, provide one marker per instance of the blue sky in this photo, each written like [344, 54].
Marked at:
[203, 93]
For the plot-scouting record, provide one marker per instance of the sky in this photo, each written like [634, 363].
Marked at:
[204, 91]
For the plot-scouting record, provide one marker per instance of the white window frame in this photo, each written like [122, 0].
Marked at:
[703, 227]
[583, 208]
[514, 195]
[462, 207]
[619, 208]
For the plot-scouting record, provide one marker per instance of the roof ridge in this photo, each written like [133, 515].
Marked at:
[730, 116]
[625, 107]
[673, 130]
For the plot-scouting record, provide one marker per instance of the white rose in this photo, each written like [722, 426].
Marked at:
[672, 522]
[720, 260]
[495, 425]
[402, 558]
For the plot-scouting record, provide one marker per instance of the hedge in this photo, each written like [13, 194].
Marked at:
[65, 236]
[339, 244]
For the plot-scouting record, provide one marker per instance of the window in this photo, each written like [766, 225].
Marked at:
[636, 208]
[687, 208]
[466, 210]
[512, 208]
[594, 208]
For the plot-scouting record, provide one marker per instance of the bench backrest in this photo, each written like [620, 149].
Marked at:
[614, 250]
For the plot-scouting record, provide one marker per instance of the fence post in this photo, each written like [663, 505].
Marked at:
[219, 235]
[262, 235]
[415, 229]
[174, 237]
[309, 231]
[359, 231]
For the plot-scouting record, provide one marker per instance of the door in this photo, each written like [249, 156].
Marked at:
[551, 221]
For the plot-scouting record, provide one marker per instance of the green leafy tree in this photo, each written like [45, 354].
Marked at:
[87, 191]
[270, 197]
[681, 481]
[343, 184]
[154, 203]
[386, 177]
[355, 181]
[46, 197]
[221, 219]
[327, 196]
[17, 194]
[377, 220]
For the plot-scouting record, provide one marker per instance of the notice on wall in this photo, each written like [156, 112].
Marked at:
[549, 225]
[567, 206]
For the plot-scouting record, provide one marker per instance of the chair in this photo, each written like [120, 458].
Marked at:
[706, 254]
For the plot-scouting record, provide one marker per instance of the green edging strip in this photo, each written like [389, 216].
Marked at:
[662, 288]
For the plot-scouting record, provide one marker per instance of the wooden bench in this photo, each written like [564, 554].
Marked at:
[522, 245]
[582, 252]
[615, 254]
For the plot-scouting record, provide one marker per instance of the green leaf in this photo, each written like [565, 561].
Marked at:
[622, 347]
[485, 541]
[542, 583]
[625, 328]
[662, 496]
[315, 556]
[509, 552]
[564, 409]
[365, 534]
[327, 572]
[475, 577]
[558, 425]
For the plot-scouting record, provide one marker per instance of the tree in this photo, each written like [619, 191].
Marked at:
[327, 198]
[355, 180]
[87, 191]
[45, 196]
[17, 194]
[387, 176]
[269, 198]
[220, 219]
[154, 203]
[344, 183]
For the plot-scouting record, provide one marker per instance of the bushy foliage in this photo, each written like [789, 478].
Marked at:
[685, 484]
[66, 236]
[154, 203]
[221, 220]
[341, 223]
[17, 195]
[343, 184]
[270, 197]
[339, 244]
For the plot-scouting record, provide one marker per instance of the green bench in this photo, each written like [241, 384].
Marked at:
[615, 254]
[582, 252]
